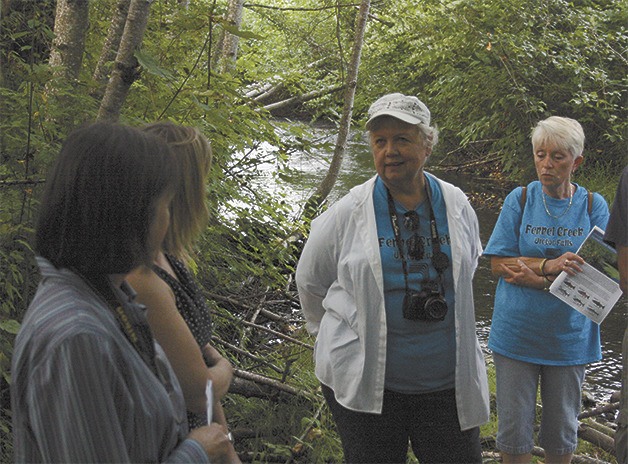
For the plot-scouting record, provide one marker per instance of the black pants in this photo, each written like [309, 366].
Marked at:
[428, 421]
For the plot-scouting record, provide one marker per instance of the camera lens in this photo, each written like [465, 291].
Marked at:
[436, 308]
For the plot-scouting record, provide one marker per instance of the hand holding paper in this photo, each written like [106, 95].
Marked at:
[593, 291]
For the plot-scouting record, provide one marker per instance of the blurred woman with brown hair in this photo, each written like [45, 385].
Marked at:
[177, 309]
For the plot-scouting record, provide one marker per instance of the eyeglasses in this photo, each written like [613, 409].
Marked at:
[416, 250]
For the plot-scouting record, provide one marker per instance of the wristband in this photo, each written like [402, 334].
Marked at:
[542, 267]
[546, 283]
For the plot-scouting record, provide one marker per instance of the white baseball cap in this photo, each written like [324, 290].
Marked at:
[407, 108]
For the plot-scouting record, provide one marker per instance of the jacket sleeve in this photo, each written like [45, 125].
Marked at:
[72, 408]
[474, 233]
[318, 268]
[76, 398]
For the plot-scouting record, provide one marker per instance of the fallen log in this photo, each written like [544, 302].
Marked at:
[600, 427]
[293, 101]
[600, 410]
[597, 438]
[579, 459]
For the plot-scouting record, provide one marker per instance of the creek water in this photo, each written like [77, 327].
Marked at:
[307, 171]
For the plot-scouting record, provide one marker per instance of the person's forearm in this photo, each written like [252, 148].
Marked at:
[219, 414]
[538, 265]
[221, 374]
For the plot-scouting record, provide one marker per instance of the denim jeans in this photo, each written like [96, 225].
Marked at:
[428, 421]
[517, 385]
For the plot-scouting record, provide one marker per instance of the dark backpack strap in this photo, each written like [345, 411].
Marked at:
[589, 201]
[524, 194]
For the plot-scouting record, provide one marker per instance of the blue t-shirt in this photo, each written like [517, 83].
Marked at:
[420, 355]
[532, 325]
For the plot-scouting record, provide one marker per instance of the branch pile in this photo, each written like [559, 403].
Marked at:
[263, 334]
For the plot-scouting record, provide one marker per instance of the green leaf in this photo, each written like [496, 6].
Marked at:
[11, 326]
[150, 65]
[240, 33]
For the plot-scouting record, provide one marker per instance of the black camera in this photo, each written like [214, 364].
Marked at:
[426, 305]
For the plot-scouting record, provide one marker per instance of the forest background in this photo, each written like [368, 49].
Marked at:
[266, 73]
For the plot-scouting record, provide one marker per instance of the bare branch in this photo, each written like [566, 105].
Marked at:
[278, 334]
[264, 312]
[267, 381]
[294, 8]
[7, 183]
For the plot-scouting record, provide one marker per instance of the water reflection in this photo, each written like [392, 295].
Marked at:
[308, 170]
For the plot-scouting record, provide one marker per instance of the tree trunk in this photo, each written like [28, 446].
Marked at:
[314, 203]
[66, 58]
[126, 68]
[112, 42]
[66, 55]
[229, 42]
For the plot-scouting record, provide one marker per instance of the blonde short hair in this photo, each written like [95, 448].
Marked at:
[192, 159]
[567, 133]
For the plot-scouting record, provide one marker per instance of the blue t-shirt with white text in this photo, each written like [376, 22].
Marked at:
[420, 355]
[529, 324]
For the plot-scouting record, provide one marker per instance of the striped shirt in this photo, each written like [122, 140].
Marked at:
[80, 391]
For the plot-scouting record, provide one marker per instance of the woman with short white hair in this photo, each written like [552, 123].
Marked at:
[534, 335]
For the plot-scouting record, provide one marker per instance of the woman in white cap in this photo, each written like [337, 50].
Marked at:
[385, 285]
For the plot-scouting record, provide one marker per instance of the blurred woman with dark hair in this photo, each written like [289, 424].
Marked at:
[89, 383]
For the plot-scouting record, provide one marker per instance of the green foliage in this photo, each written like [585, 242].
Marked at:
[17, 283]
[247, 246]
[307, 46]
[490, 69]
[603, 179]
[25, 36]
[286, 428]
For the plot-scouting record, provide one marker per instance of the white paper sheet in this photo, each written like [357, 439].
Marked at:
[594, 291]
[209, 394]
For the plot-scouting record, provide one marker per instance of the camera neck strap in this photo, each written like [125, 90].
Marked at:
[440, 261]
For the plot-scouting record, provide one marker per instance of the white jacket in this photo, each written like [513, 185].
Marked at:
[341, 288]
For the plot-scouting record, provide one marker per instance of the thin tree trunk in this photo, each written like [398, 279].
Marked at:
[66, 55]
[66, 58]
[126, 68]
[318, 197]
[112, 42]
[229, 42]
